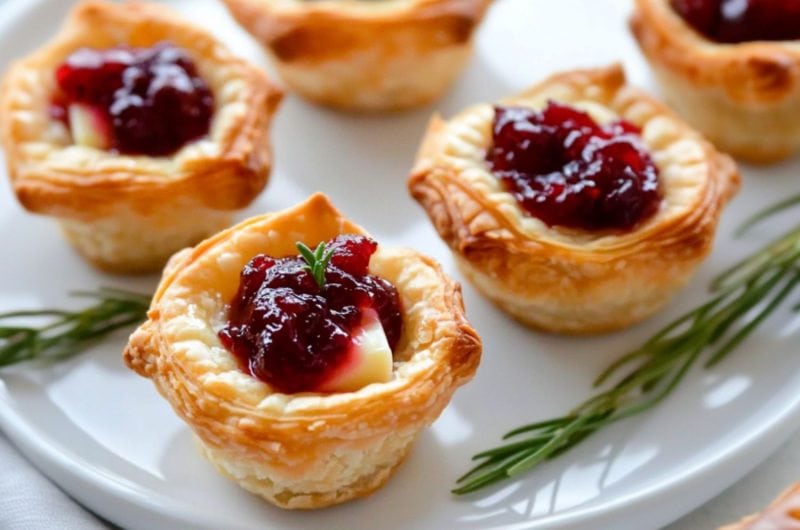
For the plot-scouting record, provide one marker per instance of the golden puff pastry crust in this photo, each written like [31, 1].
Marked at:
[130, 213]
[566, 280]
[305, 450]
[364, 55]
[782, 514]
[743, 97]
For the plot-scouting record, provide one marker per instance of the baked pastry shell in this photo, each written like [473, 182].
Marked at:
[562, 280]
[304, 450]
[363, 55]
[130, 213]
[743, 97]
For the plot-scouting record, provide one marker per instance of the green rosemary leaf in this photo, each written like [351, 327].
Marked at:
[35, 313]
[751, 295]
[307, 254]
[767, 212]
[783, 250]
[744, 296]
[511, 448]
[318, 252]
[316, 261]
[9, 331]
[326, 258]
[68, 333]
[748, 328]
[536, 426]
[113, 293]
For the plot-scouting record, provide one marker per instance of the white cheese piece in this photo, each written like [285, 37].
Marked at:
[368, 361]
[87, 127]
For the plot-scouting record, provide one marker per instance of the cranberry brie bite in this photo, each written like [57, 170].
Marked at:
[367, 55]
[140, 133]
[305, 356]
[579, 206]
[731, 67]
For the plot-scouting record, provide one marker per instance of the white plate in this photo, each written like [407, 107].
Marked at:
[106, 437]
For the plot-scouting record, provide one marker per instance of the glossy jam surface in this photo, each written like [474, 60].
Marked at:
[151, 100]
[566, 170]
[293, 335]
[734, 21]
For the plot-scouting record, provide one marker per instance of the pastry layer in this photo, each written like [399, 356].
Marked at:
[131, 242]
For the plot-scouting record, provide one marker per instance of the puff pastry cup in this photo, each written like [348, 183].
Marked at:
[782, 514]
[130, 213]
[364, 55]
[304, 450]
[568, 280]
[743, 97]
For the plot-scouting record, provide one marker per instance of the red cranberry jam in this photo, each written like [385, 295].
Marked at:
[734, 21]
[294, 335]
[150, 99]
[566, 170]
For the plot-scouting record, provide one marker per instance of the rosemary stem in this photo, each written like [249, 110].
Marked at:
[68, 333]
[543, 452]
[744, 295]
[767, 212]
[747, 329]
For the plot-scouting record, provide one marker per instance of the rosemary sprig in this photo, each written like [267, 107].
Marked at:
[316, 261]
[768, 212]
[743, 296]
[67, 333]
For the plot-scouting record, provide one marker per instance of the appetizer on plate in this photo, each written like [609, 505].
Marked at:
[140, 133]
[578, 206]
[732, 69]
[364, 55]
[782, 514]
[306, 377]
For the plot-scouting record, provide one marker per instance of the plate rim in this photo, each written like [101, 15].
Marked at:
[95, 489]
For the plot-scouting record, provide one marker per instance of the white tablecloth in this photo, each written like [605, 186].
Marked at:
[28, 501]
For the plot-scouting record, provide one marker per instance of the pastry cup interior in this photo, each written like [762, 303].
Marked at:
[298, 440]
[679, 154]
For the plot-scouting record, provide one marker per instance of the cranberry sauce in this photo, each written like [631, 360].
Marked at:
[151, 99]
[294, 335]
[733, 21]
[566, 170]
